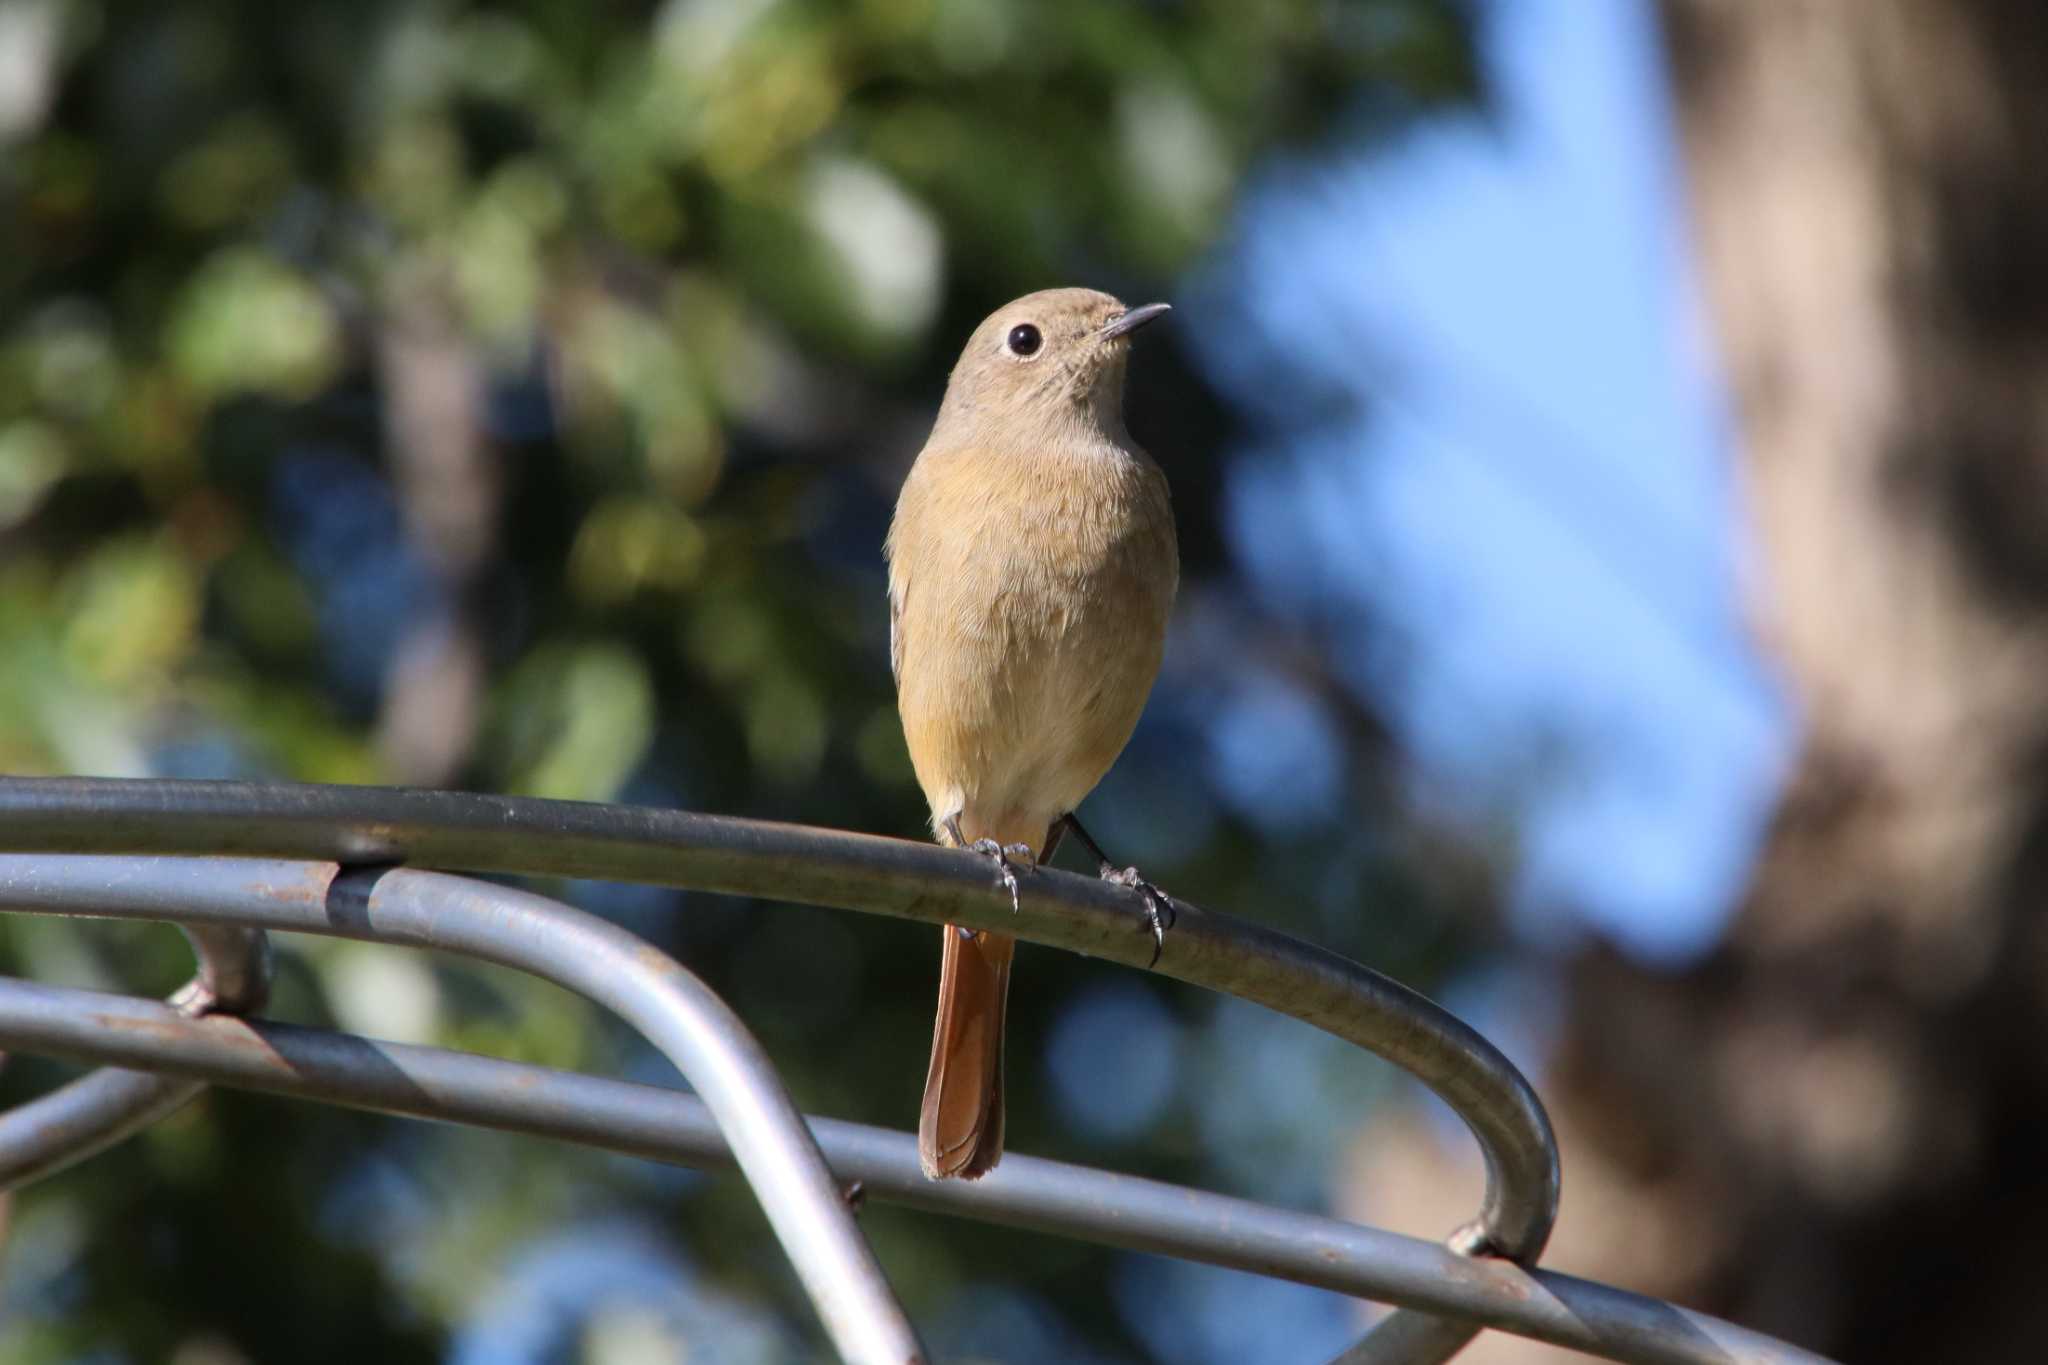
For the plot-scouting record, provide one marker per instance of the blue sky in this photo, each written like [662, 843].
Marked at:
[1537, 501]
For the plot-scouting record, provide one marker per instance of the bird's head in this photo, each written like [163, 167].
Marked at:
[1056, 356]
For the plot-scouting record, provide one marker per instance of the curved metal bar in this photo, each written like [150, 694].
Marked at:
[1410, 1339]
[667, 1125]
[233, 973]
[670, 1006]
[83, 1118]
[833, 868]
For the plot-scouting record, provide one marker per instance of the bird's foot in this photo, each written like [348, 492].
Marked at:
[1001, 855]
[1159, 912]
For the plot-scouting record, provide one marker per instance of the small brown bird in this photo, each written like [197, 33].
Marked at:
[1032, 566]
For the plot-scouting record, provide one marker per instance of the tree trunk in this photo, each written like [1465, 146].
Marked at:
[1835, 1129]
[1853, 1093]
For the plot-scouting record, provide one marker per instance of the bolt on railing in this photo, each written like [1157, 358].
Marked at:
[94, 1112]
[217, 831]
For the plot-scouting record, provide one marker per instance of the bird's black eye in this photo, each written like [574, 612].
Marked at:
[1024, 339]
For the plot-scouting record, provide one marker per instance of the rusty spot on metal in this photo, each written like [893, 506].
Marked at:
[141, 1028]
[308, 886]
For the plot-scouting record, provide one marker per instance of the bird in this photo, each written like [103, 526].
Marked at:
[1032, 569]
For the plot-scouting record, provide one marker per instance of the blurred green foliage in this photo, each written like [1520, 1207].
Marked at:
[512, 396]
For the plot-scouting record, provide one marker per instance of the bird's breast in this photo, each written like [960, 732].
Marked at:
[1031, 604]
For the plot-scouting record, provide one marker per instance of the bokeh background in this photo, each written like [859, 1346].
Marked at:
[1611, 456]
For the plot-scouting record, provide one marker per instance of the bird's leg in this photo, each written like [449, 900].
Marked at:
[1001, 854]
[1159, 911]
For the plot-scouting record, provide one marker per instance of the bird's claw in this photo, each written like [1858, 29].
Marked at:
[1002, 855]
[1159, 912]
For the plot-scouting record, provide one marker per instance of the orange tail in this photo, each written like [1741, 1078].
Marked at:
[960, 1131]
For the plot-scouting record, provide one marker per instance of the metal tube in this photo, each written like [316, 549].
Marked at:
[233, 973]
[676, 1011]
[1410, 1338]
[667, 1125]
[84, 1117]
[850, 871]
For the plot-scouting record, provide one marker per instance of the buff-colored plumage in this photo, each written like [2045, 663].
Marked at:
[1032, 566]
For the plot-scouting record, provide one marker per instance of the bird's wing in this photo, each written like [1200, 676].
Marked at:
[901, 527]
[898, 592]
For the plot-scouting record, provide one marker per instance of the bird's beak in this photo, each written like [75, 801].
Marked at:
[1135, 318]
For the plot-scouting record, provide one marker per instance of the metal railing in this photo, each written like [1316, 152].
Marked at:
[230, 861]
